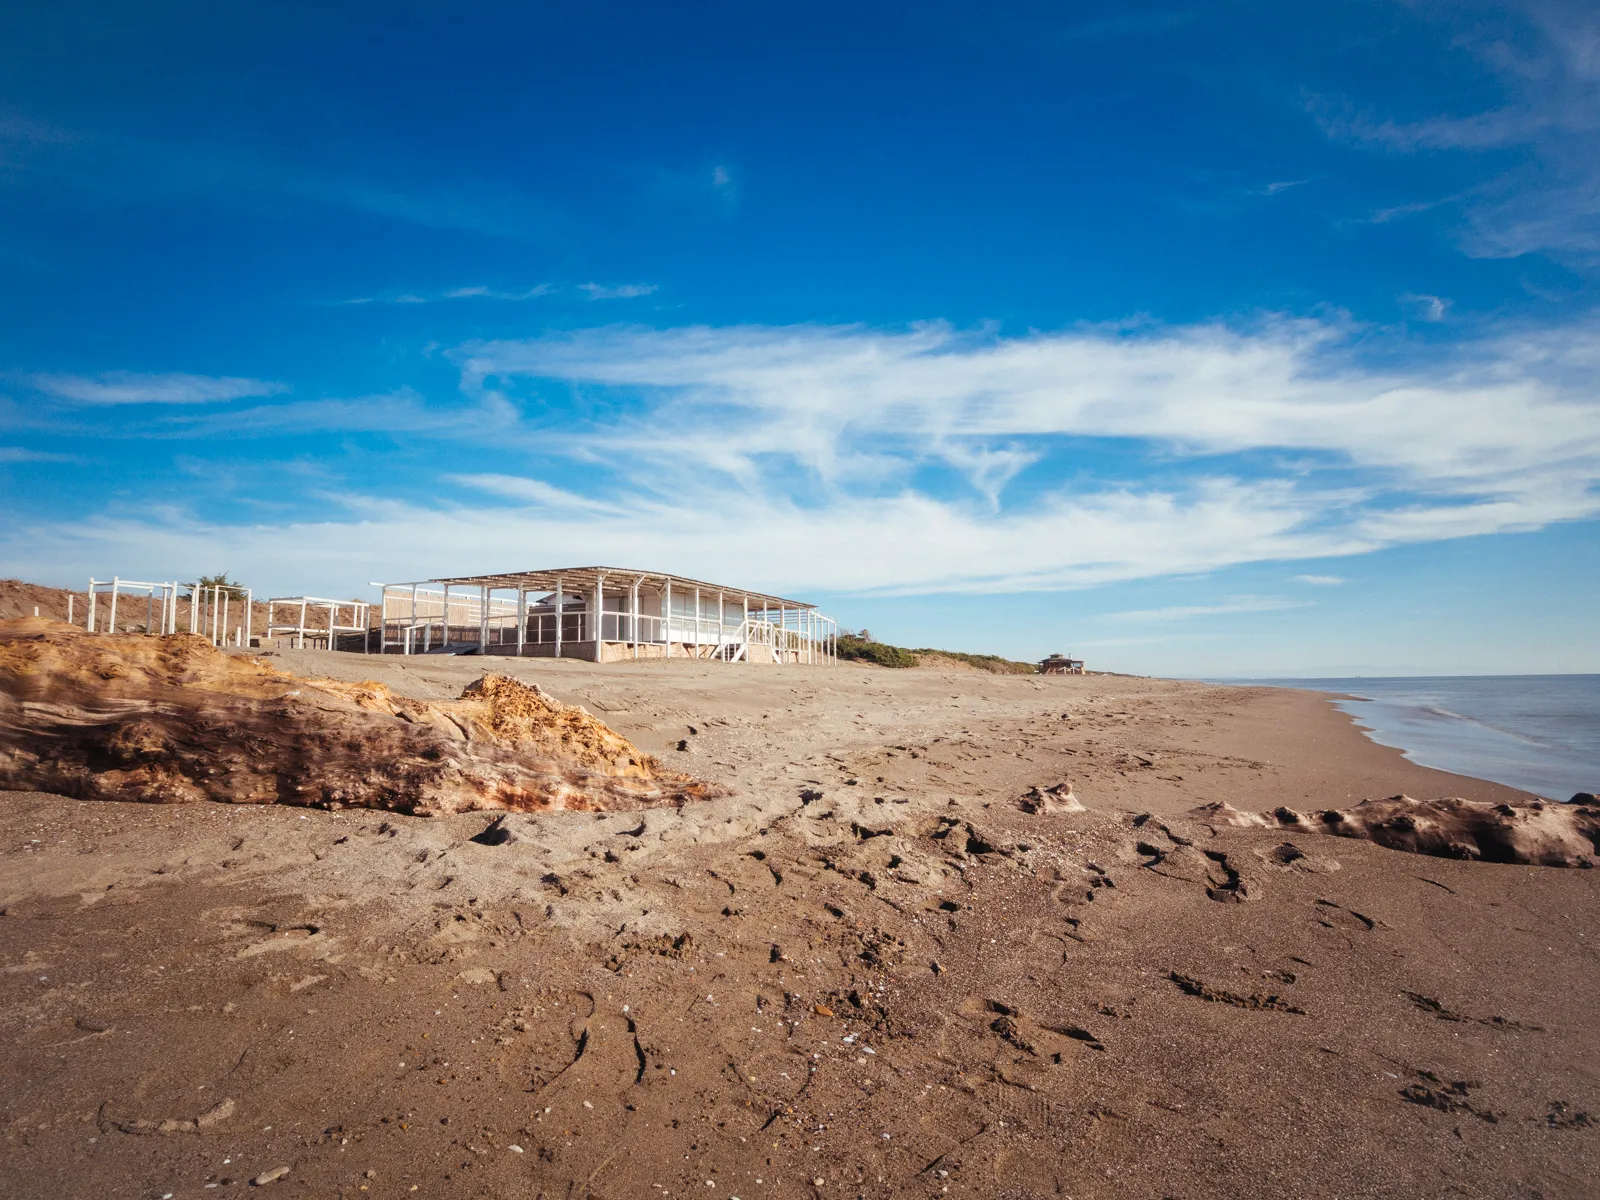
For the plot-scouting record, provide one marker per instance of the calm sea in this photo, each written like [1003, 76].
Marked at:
[1540, 733]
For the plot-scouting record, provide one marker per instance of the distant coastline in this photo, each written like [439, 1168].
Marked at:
[1540, 733]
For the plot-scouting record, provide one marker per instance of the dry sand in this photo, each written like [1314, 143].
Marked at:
[867, 972]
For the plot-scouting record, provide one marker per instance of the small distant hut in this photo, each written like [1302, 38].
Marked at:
[1060, 664]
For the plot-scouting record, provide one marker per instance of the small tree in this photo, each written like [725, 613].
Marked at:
[229, 587]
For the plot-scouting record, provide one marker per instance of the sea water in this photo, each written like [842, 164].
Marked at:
[1540, 733]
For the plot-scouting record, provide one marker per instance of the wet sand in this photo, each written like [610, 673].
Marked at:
[867, 967]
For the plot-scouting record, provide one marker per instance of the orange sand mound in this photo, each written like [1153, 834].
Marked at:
[174, 719]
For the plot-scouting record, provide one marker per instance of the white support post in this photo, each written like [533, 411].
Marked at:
[522, 619]
[744, 628]
[445, 635]
[88, 622]
[149, 611]
[222, 623]
[697, 622]
[249, 614]
[70, 598]
[561, 616]
[300, 643]
[668, 619]
[112, 628]
[599, 614]
[633, 617]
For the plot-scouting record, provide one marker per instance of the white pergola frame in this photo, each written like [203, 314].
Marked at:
[112, 590]
[769, 628]
[360, 619]
[208, 614]
[208, 608]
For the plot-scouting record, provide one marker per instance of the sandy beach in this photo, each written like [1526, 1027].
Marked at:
[866, 971]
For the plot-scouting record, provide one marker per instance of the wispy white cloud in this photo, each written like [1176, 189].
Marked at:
[1550, 199]
[1424, 307]
[1320, 580]
[1504, 434]
[619, 291]
[488, 293]
[128, 387]
[1508, 410]
[21, 136]
[1184, 612]
[704, 187]
[1396, 212]
[822, 457]
[534, 492]
[20, 454]
[403, 411]
[477, 292]
[908, 543]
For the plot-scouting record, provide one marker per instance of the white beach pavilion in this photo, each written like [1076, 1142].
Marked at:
[603, 614]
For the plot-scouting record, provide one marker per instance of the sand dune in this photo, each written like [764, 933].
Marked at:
[174, 719]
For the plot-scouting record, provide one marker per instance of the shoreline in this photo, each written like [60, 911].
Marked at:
[1536, 733]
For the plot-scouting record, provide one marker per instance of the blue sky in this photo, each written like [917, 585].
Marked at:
[1215, 338]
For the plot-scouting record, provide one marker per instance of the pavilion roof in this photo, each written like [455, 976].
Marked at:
[586, 578]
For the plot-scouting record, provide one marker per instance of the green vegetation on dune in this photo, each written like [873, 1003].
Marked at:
[984, 662]
[854, 648]
[859, 649]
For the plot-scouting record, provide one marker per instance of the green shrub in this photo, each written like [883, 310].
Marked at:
[992, 663]
[855, 649]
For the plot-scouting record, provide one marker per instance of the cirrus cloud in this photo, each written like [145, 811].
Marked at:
[130, 387]
[932, 459]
